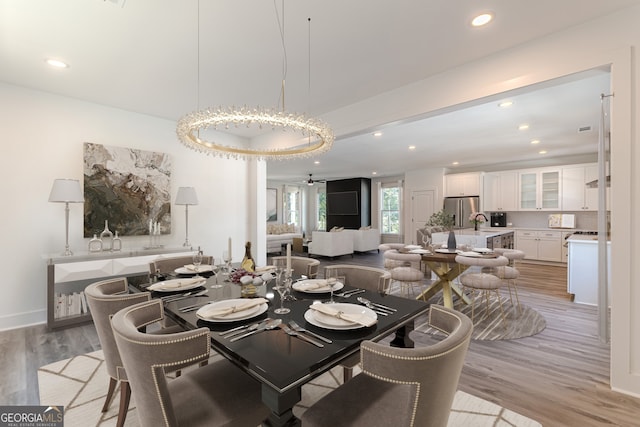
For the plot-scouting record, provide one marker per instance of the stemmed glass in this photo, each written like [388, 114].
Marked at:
[282, 286]
[197, 261]
[331, 281]
[226, 258]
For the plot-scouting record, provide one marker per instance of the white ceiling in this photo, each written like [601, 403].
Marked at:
[142, 56]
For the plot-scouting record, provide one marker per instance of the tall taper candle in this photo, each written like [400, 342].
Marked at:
[288, 258]
[229, 249]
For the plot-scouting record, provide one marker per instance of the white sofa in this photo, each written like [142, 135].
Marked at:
[331, 244]
[280, 234]
[365, 240]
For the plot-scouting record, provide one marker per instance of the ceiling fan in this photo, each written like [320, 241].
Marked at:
[312, 181]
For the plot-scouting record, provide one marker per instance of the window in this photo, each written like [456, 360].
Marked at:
[292, 206]
[321, 203]
[390, 210]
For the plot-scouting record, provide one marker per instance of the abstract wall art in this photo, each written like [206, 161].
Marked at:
[128, 187]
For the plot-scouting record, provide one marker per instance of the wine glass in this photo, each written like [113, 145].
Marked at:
[282, 287]
[197, 261]
[332, 279]
[226, 258]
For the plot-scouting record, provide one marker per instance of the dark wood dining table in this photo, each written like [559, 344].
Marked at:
[283, 363]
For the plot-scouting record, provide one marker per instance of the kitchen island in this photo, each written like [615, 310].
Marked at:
[582, 271]
[489, 237]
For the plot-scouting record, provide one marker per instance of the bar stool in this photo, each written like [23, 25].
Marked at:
[484, 283]
[509, 274]
[404, 270]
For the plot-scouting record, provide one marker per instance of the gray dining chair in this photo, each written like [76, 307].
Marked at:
[483, 283]
[405, 270]
[217, 394]
[106, 298]
[360, 276]
[400, 386]
[301, 266]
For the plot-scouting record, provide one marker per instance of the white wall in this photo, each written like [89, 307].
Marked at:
[41, 137]
[609, 41]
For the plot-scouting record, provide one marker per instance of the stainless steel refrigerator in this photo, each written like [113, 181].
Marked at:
[461, 208]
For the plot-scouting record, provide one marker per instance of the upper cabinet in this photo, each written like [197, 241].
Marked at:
[462, 184]
[576, 196]
[539, 189]
[500, 191]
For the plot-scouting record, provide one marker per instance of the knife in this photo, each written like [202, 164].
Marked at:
[264, 325]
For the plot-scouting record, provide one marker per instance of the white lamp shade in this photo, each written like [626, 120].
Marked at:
[186, 196]
[66, 191]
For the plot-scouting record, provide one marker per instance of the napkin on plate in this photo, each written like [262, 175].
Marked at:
[361, 319]
[311, 286]
[265, 269]
[217, 312]
[192, 267]
[174, 284]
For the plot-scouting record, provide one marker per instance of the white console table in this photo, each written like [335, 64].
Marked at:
[71, 274]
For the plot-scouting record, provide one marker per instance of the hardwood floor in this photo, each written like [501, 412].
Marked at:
[559, 377]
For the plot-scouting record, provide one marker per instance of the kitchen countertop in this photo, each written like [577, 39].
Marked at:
[485, 232]
[584, 238]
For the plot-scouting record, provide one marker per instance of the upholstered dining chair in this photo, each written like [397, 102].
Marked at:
[217, 394]
[484, 283]
[389, 264]
[302, 266]
[405, 270]
[360, 276]
[400, 386]
[168, 265]
[106, 298]
[509, 273]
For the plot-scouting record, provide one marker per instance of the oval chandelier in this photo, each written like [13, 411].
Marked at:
[318, 135]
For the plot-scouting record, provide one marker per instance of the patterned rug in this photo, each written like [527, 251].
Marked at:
[80, 385]
[490, 326]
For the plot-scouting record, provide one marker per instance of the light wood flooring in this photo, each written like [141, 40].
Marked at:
[558, 377]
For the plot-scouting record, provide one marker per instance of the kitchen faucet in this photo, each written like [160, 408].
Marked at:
[482, 215]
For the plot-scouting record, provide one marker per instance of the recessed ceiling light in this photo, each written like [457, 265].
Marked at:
[535, 141]
[56, 63]
[505, 104]
[377, 133]
[374, 173]
[317, 162]
[412, 147]
[482, 19]
[542, 152]
[455, 163]
[523, 126]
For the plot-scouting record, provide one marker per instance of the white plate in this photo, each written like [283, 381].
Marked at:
[419, 251]
[471, 254]
[409, 247]
[329, 322]
[240, 315]
[191, 285]
[323, 290]
[445, 251]
[483, 250]
[204, 268]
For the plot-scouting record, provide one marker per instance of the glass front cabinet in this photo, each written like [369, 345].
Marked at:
[540, 189]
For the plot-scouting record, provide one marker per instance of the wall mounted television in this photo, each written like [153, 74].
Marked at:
[342, 203]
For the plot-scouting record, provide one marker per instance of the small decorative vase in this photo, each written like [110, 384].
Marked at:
[107, 237]
[248, 291]
[116, 245]
[451, 242]
[475, 226]
[95, 244]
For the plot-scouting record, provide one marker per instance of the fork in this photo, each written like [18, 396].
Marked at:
[287, 330]
[347, 294]
[299, 328]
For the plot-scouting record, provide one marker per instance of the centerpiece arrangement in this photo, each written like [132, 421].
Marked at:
[477, 218]
[445, 220]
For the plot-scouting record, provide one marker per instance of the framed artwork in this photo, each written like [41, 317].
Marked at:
[272, 206]
[129, 188]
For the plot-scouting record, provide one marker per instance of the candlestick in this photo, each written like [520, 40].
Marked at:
[229, 249]
[288, 272]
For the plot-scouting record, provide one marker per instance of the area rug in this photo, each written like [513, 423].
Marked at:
[490, 326]
[80, 384]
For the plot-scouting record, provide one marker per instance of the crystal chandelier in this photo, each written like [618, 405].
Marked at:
[318, 136]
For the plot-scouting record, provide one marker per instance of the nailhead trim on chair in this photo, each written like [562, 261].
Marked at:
[190, 360]
[416, 400]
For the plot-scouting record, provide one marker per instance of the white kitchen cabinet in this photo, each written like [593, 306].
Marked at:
[500, 191]
[582, 270]
[576, 196]
[540, 189]
[540, 245]
[462, 184]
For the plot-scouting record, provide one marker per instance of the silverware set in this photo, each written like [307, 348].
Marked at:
[194, 307]
[292, 329]
[178, 297]
[378, 308]
[347, 294]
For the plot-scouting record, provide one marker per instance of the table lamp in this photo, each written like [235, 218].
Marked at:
[66, 191]
[186, 196]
